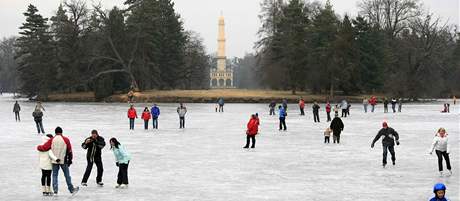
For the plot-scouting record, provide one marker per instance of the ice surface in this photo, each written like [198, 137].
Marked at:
[206, 160]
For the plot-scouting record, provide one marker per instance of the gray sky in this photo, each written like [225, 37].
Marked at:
[241, 16]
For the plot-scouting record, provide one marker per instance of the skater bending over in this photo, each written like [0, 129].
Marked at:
[389, 137]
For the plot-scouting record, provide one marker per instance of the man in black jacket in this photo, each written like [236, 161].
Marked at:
[316, 112]
[388, 142]
[337, 127]
[94, 144]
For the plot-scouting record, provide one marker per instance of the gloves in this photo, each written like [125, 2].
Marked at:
[372, 145]
[397, 142]
[116, 163]
[58, 160]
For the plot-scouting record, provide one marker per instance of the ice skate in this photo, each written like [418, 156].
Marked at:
[100, 184]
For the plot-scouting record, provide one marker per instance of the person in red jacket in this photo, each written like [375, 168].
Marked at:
[373, 102]
[146, 117]
[302, 107]
[132, 114]
[251, 132]
[328, 111]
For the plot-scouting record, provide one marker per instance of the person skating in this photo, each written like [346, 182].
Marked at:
[39, 106]
[393, 104]
[365, 104]
[442, 147]
[62, 149]
[132, 115]
[146, 117]
[337, 128]
[251, 132]
[328, 111]
[327, 135]
[390, 136]
[181, 111]
[385, 105]
[439, 191]
[272, 106]
[336, 110]
[221, 103]
[348, 109]
[400, 103]
[130, 96]
[302, 107]
[282, 117]
[316, 112]
[45, 159]
[155, 115]
[94, 145]
[373, 102]
[285, 104]
[122, 159]
[455, 100]
[344, 106]
[38, 118]
[16, 110]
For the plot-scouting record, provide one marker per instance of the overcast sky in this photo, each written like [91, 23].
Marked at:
[201, 16]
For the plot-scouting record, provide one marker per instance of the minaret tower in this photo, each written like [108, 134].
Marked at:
[221, 77]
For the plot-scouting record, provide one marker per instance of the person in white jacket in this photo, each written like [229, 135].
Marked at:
[442, 147]
[45, 159]
[181, 111]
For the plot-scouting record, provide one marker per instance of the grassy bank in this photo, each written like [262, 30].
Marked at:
[203, 96]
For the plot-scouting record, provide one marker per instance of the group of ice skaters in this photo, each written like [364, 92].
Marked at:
[56, 151]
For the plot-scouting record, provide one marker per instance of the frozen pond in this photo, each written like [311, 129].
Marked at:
[206, 160]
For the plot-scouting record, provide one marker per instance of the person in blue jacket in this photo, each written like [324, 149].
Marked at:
[439, 191]
[282, 115]
[155, 114]
[221, 104]
[122, 159]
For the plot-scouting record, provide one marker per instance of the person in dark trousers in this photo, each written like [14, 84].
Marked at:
[46, 165]
[316, 112]
[393, 104]
[400, 102]
[442, 147]
[389, 137]
[282, 116]
[155, 114]
[328, 111]
[336, 111]
[385, 105]
[132, 115]
[38, 118]
[146, 117]
[344, 106]
[94, 145]
[251, 132]
[302, 107]
[337, 128]
[285, 104]
[122, 159]
[16, 110]
[439, 191]
[373, 102]
[272, 106]
[348, 109]
[327, 135]
[221, 103]
[181, 111]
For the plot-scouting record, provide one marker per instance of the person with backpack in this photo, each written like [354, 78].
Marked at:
[390, 136]
[94, 145]
[62, 149]
[146, 117]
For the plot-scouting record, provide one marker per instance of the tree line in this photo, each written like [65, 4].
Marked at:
[79, 49]
[391, 46]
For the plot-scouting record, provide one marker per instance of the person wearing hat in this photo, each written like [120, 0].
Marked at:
[94, 144]
[389, 137]
[439, 191]
[45, 159]
[62, 149]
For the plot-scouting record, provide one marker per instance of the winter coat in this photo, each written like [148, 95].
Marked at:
[60, 146]
[46, 157]
[146, 116]
[302, 104]
[272, 104]
[155, 112]
[94, 148]
[344, 104]
[282, 113]
[440, 144]
[132, 113]
[327, 132]
[365, 101]
[393, 101]
[181, 111]
[253, 127]
[385, 103]
[437, 199]
[315, 108]
[38, 115]
[121, 155]
[221, 101]
[373, 101]
[16, 107]
[285, 104]
[328, 108]
[337, 125]
[389, 136]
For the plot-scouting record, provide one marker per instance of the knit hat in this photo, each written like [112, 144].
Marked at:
[58, 130]
[385, 125]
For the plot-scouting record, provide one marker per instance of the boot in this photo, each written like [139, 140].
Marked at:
[44, 191]
[48, 190]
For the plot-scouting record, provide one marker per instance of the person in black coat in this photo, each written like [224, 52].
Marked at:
[94, 144]
[389, 137]
[316, 112]
[337, 127]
